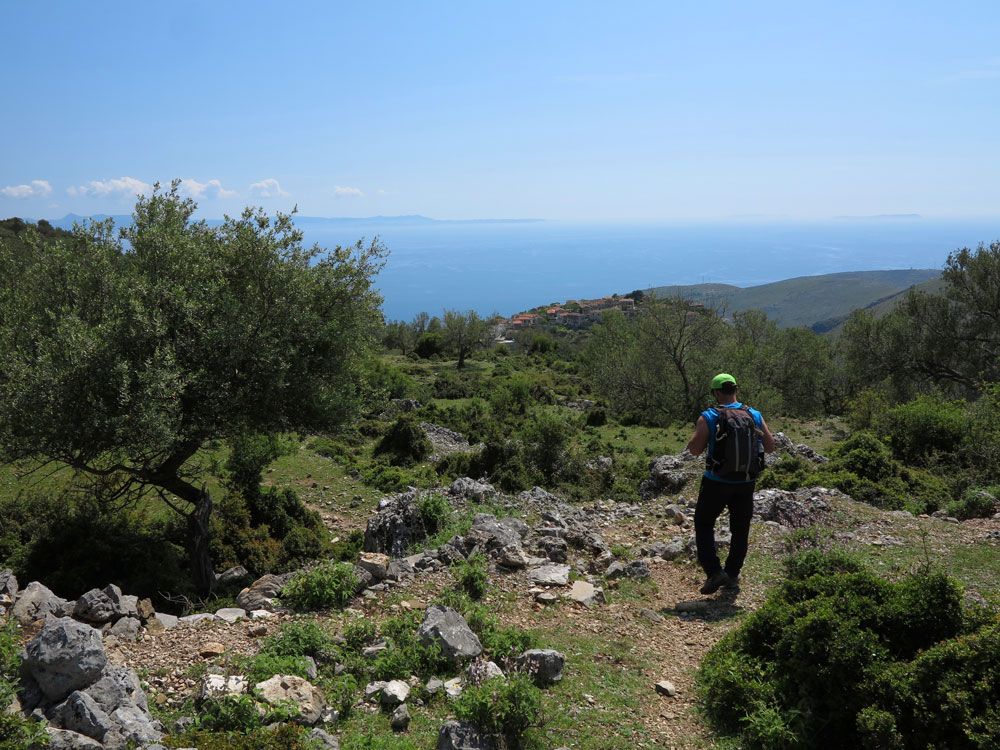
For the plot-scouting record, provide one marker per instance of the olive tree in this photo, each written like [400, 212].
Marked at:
[463, 333]
[122, 353]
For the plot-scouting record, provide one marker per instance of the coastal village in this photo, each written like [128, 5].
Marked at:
[572, 313]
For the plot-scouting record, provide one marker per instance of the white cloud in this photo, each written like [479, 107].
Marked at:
[269, 188]
[35, 189]
[211, 189]
[346, 192]
[124, 185]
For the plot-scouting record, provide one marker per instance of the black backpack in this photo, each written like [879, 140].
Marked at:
[738, 454]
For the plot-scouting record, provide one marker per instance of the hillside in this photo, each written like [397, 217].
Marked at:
[819, 302]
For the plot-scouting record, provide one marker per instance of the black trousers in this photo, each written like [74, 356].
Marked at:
[713, 497]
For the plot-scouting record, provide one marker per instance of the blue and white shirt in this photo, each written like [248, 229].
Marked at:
[712, 420]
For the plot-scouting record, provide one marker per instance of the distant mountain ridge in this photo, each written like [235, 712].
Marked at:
[819, 302]
[67, 221]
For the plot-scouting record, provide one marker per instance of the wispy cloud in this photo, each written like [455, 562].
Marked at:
[269, 188]
[210, 189]
[34, 189]
[345, 191]
[116, 186]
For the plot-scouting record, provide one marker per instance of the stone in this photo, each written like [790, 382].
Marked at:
[480, 671]
[544, 665]
[167, 622]
[666, 687]
[650, 615]
[263, 593]
[100, 605]
[547, 598]
[449, 630]
[197, 619]
[586, 594]
[283, 688]
[396, 525]
[220, 686]
[373, 690]
[399, 570]
[434, 686]
[62, 739]
[400, 720]
[260, 614]
[8, 587]
[65, 656]
[144, 610]
[394, 693]
[136, 725]
[323, 739]
[456, 735]
[470, 489]
[210, 649]
[634, 569]
[34, 603]
[453, 687]
[554, 548]
[376, 563]
[126, 629]
[671, 550]
[231, 614]
[130, 605]
[117, 687]
[80, 713]
[234, 578]
[791, 509]
[550, 575]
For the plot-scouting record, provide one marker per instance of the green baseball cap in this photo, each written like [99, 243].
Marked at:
[720, 380]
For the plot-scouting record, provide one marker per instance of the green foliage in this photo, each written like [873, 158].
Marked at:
[16, 732]
[926, 430]
[249, 455]
[230, 713]
[267, 531]
[328, 585]
[372, 741]
[405, 442]
[300, 638]
[837, 657]
[123, 352]
[976, 502]
[429, 345]
[264, 666]
[435, 512]
[281, 737]
[504, 708]
[472, 576]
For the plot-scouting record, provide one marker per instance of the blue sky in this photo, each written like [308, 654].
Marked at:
[563, 110]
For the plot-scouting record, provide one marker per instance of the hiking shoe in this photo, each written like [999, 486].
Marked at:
[732, 584]
[714, 582]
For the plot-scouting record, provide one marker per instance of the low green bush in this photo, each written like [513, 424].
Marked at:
[264, 666]
[504, 708]
[472, 576]
[300, 638]
[925, 430]
[229, 713]
[282, 737]
[373, 741]
[405, 443]
[837, 657]
[16, 732]
[329, 585]
[976, 502]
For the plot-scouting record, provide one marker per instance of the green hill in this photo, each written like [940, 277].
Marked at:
[818, 302]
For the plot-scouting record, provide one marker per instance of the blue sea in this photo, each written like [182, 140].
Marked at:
[509, 267]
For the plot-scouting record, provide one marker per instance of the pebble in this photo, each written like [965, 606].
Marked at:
[666, 687]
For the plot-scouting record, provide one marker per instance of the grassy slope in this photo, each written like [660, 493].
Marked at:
[806, 300]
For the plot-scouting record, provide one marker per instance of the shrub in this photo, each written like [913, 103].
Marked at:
[16, 732]
[305, 638]
[837, 657]
[390, 478]
[428, 345]
[371, 741]
[328, 585]
[435, 512]
[472, 576]
[341, 693]
[504, 708]
[405, 443]
[230, 713]
[282, 737]
[976, 502]
[924, 429]
[264, 666]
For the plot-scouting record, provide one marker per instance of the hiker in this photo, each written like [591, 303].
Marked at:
[736, 437]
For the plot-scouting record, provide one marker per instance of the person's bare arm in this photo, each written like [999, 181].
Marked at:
[699, 440]
[766, 437]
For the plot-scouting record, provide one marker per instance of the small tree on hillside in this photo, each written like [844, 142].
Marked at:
[464, 333]
[122, 354]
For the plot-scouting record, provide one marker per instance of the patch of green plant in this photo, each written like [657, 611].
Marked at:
[341, 693]
[349, 548]
[359, 633]
[283, 737]
[837, 657]
[501, 642]
[976, 502]
[229, 713]
[264, 666]
[329, 585]
[505, 708]
[472, 576]
[927, 430]
[377, 741]
[390, 478]
[405, 442]
[300, 638]
[16, 731]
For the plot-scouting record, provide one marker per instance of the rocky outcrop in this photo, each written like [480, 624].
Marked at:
[88, 702]
[289, 689]
[446, 628]
[263, 593]
[792, 509]
[35, 602]
[456, 735]
[396, 525]
[666, 475]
